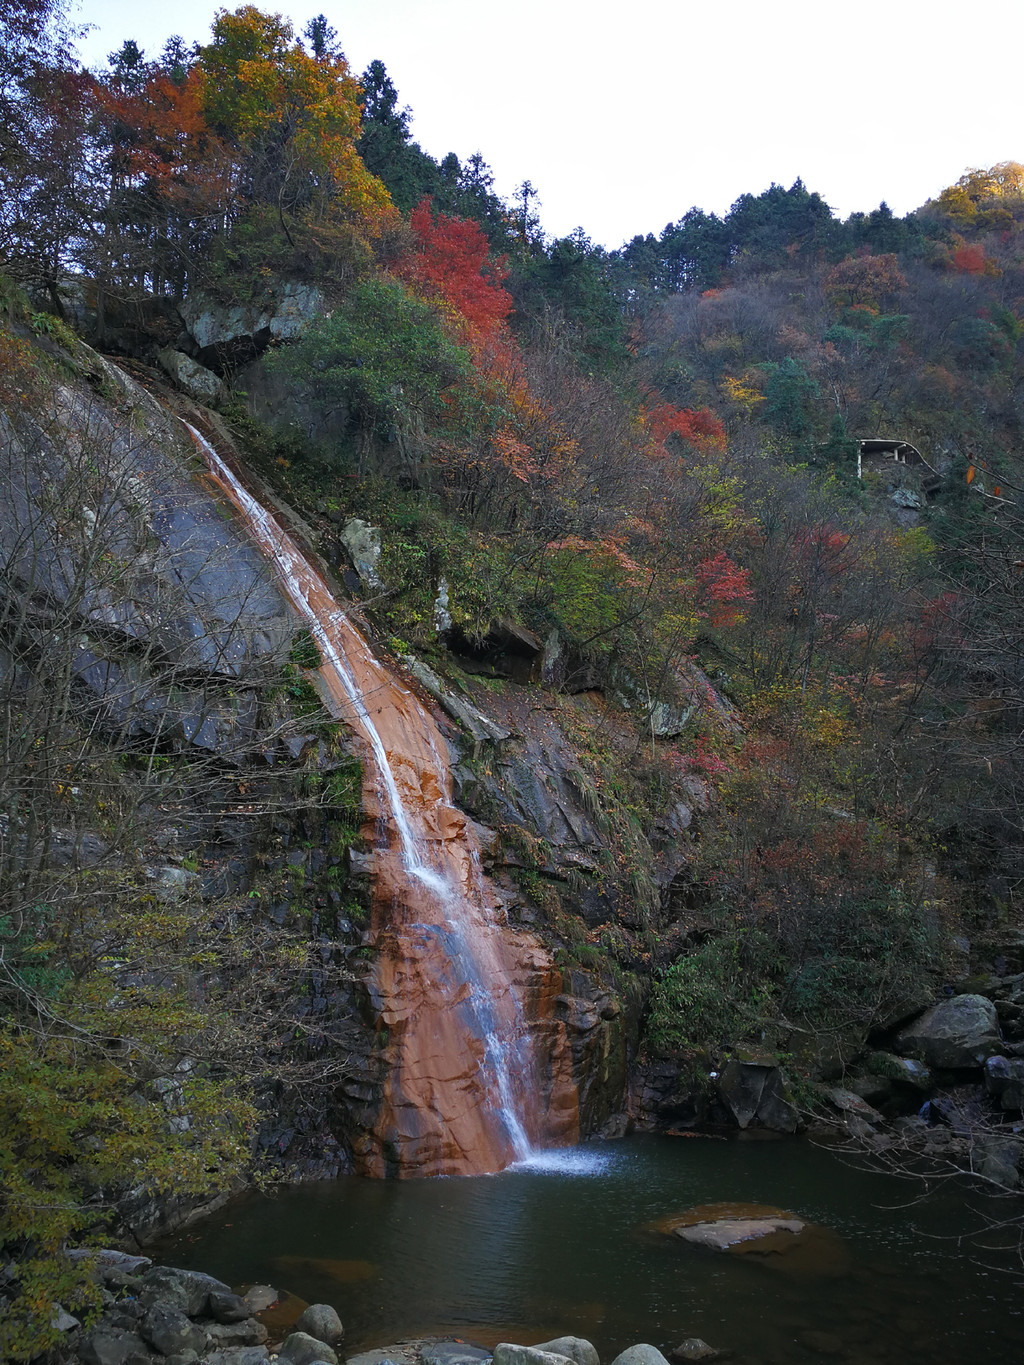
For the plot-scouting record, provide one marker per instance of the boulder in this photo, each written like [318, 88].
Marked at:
[641, 1354]
[900, 1070]
[576, 1348]
[693, 1348]
[107, 1259]
[195, 379]
[446, 1353]
[849, 1102]
[63, 1321]
[301, 1349]
[955, 1034]
[752, 1090]
[170, 1331]
[727, 1233]
[321, 1321]
[230, 1307]
[186, 1290]
[112, 1346]
[237, 1355]
[248, 1332]
[998, 1159]
[362, 541]
[873, 1090]
[260, 1296]
[1004, 1080]
[506, 1353]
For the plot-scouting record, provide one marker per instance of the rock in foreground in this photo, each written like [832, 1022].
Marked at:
[955, 1034]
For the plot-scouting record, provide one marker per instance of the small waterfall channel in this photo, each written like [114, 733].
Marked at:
[480, 1070]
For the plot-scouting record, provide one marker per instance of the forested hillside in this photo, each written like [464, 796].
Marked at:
[750, 489]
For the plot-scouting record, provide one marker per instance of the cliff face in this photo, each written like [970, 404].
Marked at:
[174, 639]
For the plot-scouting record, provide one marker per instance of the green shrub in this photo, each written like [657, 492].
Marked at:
[711, 997]
[382, 353]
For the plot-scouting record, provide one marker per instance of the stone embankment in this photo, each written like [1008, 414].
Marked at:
[159, 1315]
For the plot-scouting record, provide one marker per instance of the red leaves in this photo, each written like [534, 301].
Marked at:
[700, 427]
[451, 263]
[725, 587]
[970, 260]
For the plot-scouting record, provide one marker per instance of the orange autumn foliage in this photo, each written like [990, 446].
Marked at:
[700, 428]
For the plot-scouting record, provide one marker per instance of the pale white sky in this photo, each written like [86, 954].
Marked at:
[624, 115]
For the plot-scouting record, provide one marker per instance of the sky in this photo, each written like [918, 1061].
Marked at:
[625, 115]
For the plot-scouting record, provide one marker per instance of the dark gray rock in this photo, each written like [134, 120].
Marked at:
[321, 1322]
[693, 1348]
[955, 1034]
[848, 1102]
[182, 1358]
[237, 1355]
[113, 1346]
[998, 1159]
[248, 1332]
[229, 1307]
[576, 1348]
[120, 1282]
[873, 1090]
[106, 1258]
[186, 1290]
[750, 1091]
[170, 1331]
[479, 726]
[301, 1349]
[125, 1313]
[1004, 1079]
[906, 1071]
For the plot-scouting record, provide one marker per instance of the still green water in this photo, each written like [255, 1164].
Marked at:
[565, 1248]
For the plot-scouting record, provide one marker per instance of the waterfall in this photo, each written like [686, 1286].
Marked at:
[450, 977]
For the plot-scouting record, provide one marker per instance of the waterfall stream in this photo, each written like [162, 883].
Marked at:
[451, 979]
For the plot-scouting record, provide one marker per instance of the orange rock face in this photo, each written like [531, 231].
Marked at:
[480, 1066]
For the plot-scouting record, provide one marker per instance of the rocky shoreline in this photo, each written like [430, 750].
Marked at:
[161, 1315]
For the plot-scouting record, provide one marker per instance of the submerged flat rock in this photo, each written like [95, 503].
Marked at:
[729, 1232]
[780, 1237]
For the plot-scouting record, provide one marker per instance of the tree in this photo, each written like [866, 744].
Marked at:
[873, 281]
[322, 38]
[384, 356]
[385, 142]
[291, 118]
[451, 263]
[526, 201]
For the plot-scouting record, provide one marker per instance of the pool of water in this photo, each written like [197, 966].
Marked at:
[565, 1245]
